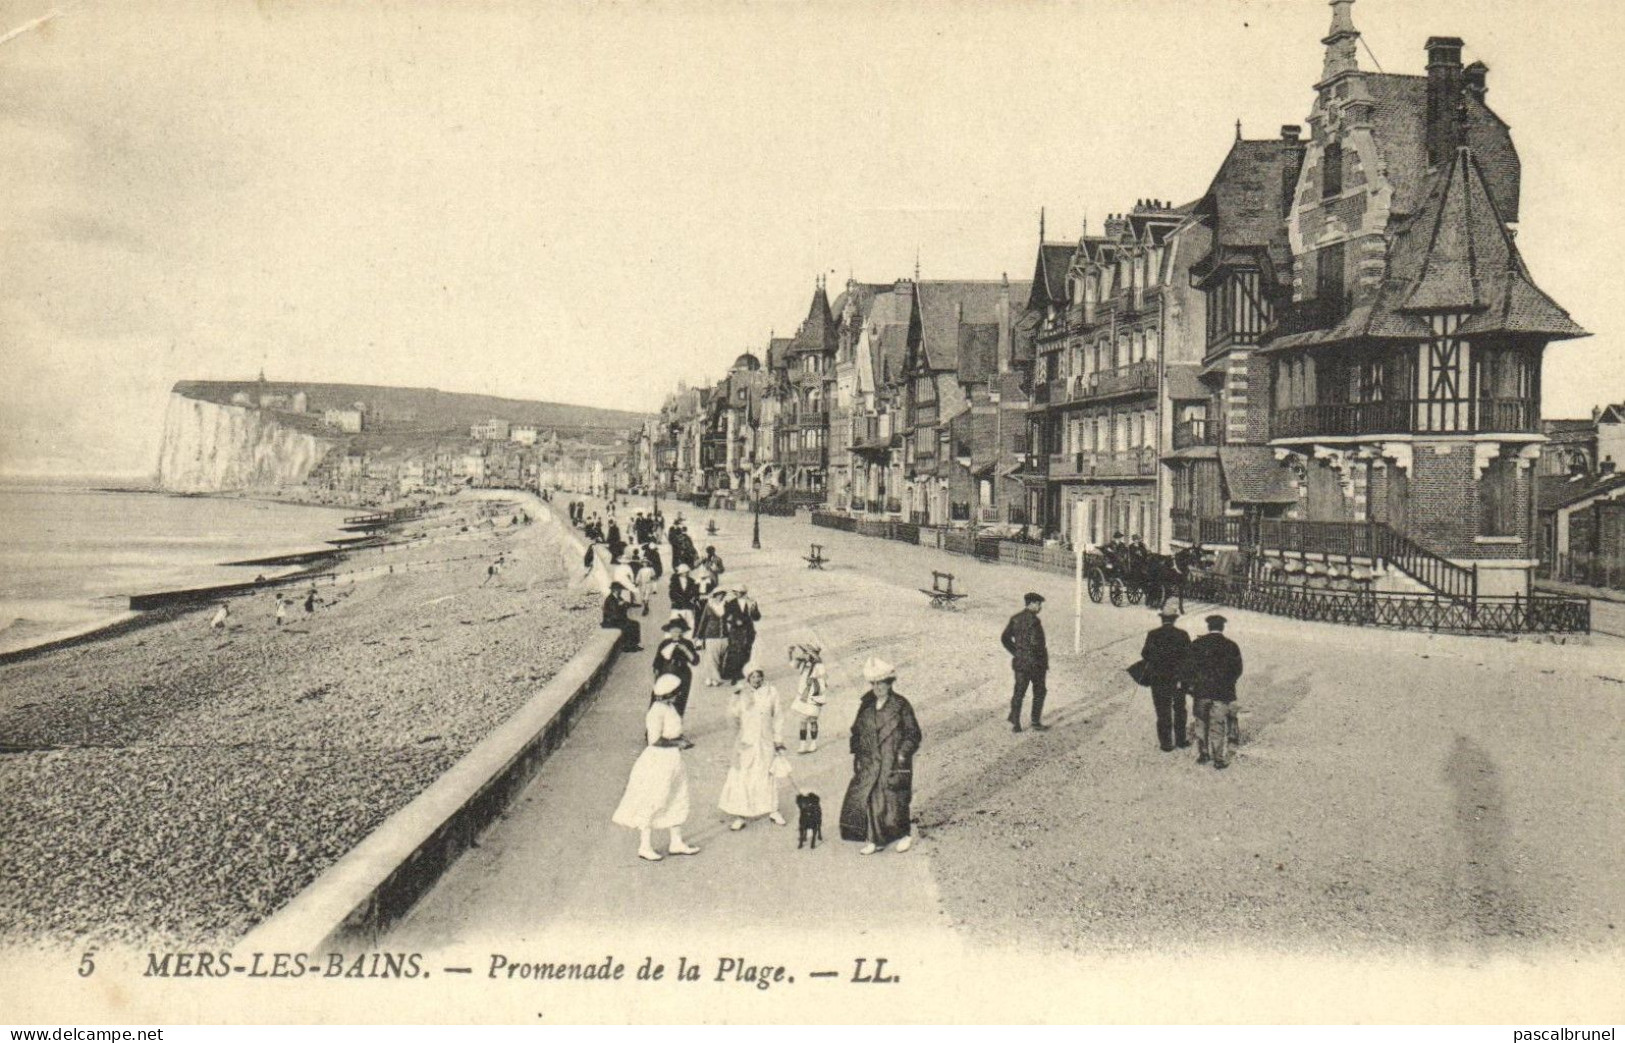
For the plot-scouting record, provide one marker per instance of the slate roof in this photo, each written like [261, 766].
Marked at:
[1554, 492]
[1049, 275]
[945, 305]
[1247, 201]
[1183, 383]
[978, 351]
[1454, 255]
[1253, 475]
[816, 335]
[888, 323]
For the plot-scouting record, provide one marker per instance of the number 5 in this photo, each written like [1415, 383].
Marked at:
[87, 965]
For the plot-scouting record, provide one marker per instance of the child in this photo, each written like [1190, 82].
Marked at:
[810, 698]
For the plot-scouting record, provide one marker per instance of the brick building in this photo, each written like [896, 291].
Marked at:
[1403, 375]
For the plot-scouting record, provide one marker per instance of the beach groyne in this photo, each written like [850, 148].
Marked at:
[351, 904]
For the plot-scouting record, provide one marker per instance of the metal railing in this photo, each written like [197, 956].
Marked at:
[1371, 540]
[1542, 613]
[1406, 416]
[1188, 433]
[1589, 570]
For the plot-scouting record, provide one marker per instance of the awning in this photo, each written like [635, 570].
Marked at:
[1193, 452]
[1184, 385]
[1253, 475]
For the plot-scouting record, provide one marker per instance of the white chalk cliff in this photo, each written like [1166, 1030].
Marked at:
[209, 447]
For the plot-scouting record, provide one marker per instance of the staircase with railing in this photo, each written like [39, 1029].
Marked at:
[1373, 541]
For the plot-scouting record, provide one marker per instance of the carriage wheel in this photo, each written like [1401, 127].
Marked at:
[1097, 586]
[1135, 593]
[1117, 592]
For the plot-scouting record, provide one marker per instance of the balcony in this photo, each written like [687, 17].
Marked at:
[806, 457]
[1121, 463]
[811, 418]
[1406, 416]
[1125, 380]
[1189, 433]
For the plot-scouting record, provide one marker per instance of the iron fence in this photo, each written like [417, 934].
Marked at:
[1539, 614]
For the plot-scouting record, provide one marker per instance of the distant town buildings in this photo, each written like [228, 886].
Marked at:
[348, 421]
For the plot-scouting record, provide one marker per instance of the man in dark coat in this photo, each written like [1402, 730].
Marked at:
[617, 616]
[1212, 667]
[885, 736]
[1164, 656]
[651, 554]
[1023, 638]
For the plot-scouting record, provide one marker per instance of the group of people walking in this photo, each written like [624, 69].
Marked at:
[711, 633]
[1171, 665]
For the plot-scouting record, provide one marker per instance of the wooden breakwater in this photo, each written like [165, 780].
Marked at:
[204, 595]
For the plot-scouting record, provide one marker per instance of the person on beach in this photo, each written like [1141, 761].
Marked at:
[1023, 638]
[1164, 655]
[885, 737]
[713, 635]
[618, 616]
[683, 594]
[677, 656]
[656, 795]
[221, 614]
[1213, 666]
[310, 601]
[810, 699]
[281, 610]
[751, 790]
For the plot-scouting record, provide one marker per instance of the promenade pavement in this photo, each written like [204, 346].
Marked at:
[1394, 792]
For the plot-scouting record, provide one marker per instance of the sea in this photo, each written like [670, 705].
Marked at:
[71, 556]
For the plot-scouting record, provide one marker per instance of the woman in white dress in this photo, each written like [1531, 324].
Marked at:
[751, 791]
[656, 794]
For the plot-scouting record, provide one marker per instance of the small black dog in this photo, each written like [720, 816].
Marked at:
[812, 820]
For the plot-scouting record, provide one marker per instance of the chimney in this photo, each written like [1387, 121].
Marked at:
[1474, 78]
[1290, 133]
[1445, 83]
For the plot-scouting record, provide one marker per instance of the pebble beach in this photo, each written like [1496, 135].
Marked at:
[176, 782]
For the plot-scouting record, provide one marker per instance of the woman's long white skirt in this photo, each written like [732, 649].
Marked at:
[656, 794]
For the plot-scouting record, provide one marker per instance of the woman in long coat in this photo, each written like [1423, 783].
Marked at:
[656, 794]
[750, 790]
[712, 632]
[885, 737]
[739, 620]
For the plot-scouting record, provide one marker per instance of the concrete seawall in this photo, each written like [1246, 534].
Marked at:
[351, 904]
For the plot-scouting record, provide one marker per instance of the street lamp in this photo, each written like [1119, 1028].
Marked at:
[756, 519]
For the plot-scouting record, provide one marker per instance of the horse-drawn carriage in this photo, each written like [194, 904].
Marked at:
[1122, 575]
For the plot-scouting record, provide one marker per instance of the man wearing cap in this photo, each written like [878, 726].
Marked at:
[885, 737]
[1164, 655]
[1023, 638]
[1213, 666]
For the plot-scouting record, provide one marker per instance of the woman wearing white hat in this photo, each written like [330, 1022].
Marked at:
[885, 737]
[656, 794]
[750, 790]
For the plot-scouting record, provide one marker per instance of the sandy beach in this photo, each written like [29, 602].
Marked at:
[176, 781]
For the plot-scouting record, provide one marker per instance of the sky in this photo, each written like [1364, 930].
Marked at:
[589, 203]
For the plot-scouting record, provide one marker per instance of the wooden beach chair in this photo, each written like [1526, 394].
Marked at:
[815, 557]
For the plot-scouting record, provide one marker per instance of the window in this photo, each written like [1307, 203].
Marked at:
[1498, 498]
[1329, 280]
[1331, 170]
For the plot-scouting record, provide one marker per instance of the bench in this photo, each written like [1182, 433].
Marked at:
[815, 557]
[942, 592]
[710, 528]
